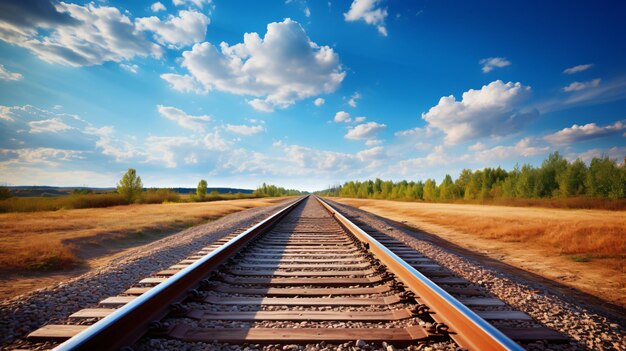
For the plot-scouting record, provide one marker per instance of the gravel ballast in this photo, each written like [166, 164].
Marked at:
[22, 314]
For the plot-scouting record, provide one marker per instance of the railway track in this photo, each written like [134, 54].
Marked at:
[304, 275]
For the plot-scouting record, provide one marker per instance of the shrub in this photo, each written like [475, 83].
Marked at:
[158, 196]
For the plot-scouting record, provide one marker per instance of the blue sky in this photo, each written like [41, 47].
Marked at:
[304, 94]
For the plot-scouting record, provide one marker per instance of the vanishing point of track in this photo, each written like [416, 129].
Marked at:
[305, 274]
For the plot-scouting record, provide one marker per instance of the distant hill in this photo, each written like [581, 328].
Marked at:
[31, 191]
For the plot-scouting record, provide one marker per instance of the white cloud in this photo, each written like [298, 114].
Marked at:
[184, 83]
[307, 12]
[364, 131]
[414, 131]
[373, 142]
[368, 11]
[6, 75]
[615, 153]
[119, 149]
[359, 119]
[214, 141]
[40, 155]
[197, 3]
[261, 105]
[494, 110]
[354, 98]
[578, 68]
[524, 148]
[132, 68]
[188, 28]
[494, 62]
[53, 125]
[578, 86]
[283, 67]
[157, 6]
[307, 160]
[245, 129]
[319, 102]
[166, 151]
[74, 35]
[477, 147]
[342, 116]
[577, 133]
[437, 157]
[195, 123]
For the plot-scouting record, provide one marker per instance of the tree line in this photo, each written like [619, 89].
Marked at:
[556, 177]
[266, 190]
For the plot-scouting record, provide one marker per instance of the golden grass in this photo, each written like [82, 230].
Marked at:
[562, 232]
[56, 239]
[586, 246]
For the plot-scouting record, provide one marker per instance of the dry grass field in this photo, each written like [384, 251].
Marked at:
[585, 249]
[53, 240]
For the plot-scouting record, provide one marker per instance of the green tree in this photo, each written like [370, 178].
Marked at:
[430, 190]
[201, 189]
[605, 179]
[447, 189]
[525, 186]
[546, 184]
[572, 181]
[130, 186]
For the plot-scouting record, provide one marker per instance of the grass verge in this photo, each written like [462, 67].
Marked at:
[54, 240]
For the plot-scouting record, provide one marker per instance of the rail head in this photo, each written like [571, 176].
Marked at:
[106, 334]
[467, 328]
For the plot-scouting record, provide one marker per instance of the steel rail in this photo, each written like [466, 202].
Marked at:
[466, 327]
[131, 321]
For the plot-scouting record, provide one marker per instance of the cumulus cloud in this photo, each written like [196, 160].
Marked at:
[578, 68]
[214, 141]
[157, 6]
[494, 110]
[72, 34]
[368, 11]
[188, 28]
[577, 133]
[283, 67]
[354, 98]
[524, 148]
[53, 125]
[245, 129]
[364, 131]
[490, 63]
[319, 102]
[615, 153]
[342, 116]
[184, 83]
[110, 145]
[195, 123]
[307, 160]
[6, 75]
[578, 86]
[166, 150]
